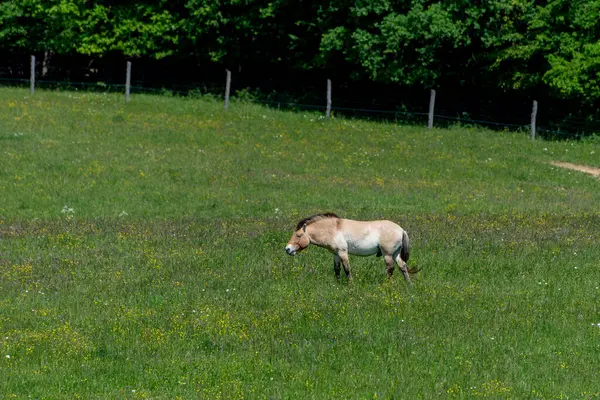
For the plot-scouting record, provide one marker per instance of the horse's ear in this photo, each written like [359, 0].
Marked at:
[304, 227]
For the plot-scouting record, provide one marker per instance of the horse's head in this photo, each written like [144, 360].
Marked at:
[298, 242]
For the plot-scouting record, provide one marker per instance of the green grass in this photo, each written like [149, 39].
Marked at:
[141, 256]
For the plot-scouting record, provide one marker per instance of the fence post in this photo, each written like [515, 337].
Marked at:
[32, 76]
[128, 81]
[227, 89]
[431, 109]
[328, 111]
[533, 119]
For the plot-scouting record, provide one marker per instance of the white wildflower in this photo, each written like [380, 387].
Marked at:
[68, 210]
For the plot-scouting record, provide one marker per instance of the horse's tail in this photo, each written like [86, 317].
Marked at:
[405, 249]
[405, 252]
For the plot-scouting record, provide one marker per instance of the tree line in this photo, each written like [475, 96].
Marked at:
[502, 45]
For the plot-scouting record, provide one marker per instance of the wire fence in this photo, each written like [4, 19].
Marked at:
[570, 126]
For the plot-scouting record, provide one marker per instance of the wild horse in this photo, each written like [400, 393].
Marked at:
[345, 236]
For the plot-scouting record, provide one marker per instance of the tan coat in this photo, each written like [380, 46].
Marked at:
[345, 236]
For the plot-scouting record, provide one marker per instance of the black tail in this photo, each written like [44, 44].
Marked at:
[405, 249]
[405, 252]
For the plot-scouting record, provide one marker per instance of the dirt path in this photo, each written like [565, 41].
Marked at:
[583, 168]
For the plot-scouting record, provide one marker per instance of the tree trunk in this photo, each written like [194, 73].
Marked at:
[46, 62]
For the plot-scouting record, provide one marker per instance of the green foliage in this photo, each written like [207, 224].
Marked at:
[79, 26]
[247, 32]
[11, 31]
[577, 74]
[512, 45]
[140, 29]
[556, 43]
[575, 59]
[398, 46]
[39, 25]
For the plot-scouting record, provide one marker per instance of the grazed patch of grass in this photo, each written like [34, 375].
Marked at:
[141, 256]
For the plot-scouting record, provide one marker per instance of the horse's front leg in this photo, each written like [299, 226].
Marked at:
[337, 265]
[344, 257]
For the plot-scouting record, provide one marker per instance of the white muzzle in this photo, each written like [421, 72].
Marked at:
[291, 250]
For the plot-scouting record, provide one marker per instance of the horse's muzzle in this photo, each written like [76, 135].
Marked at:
[291, 250]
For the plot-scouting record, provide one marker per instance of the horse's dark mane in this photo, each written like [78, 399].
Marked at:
[314, 218]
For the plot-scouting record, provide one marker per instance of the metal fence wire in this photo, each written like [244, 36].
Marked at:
[96, 80]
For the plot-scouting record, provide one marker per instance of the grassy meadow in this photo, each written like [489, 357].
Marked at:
[141, 256]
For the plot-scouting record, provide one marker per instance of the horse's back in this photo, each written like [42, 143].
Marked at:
[386, 234]
[383, 226]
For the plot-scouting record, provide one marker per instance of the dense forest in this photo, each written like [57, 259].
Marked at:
[518, 48]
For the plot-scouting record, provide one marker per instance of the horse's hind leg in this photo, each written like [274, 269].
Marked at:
[337, 265]
[402, 264]
[389, 262]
